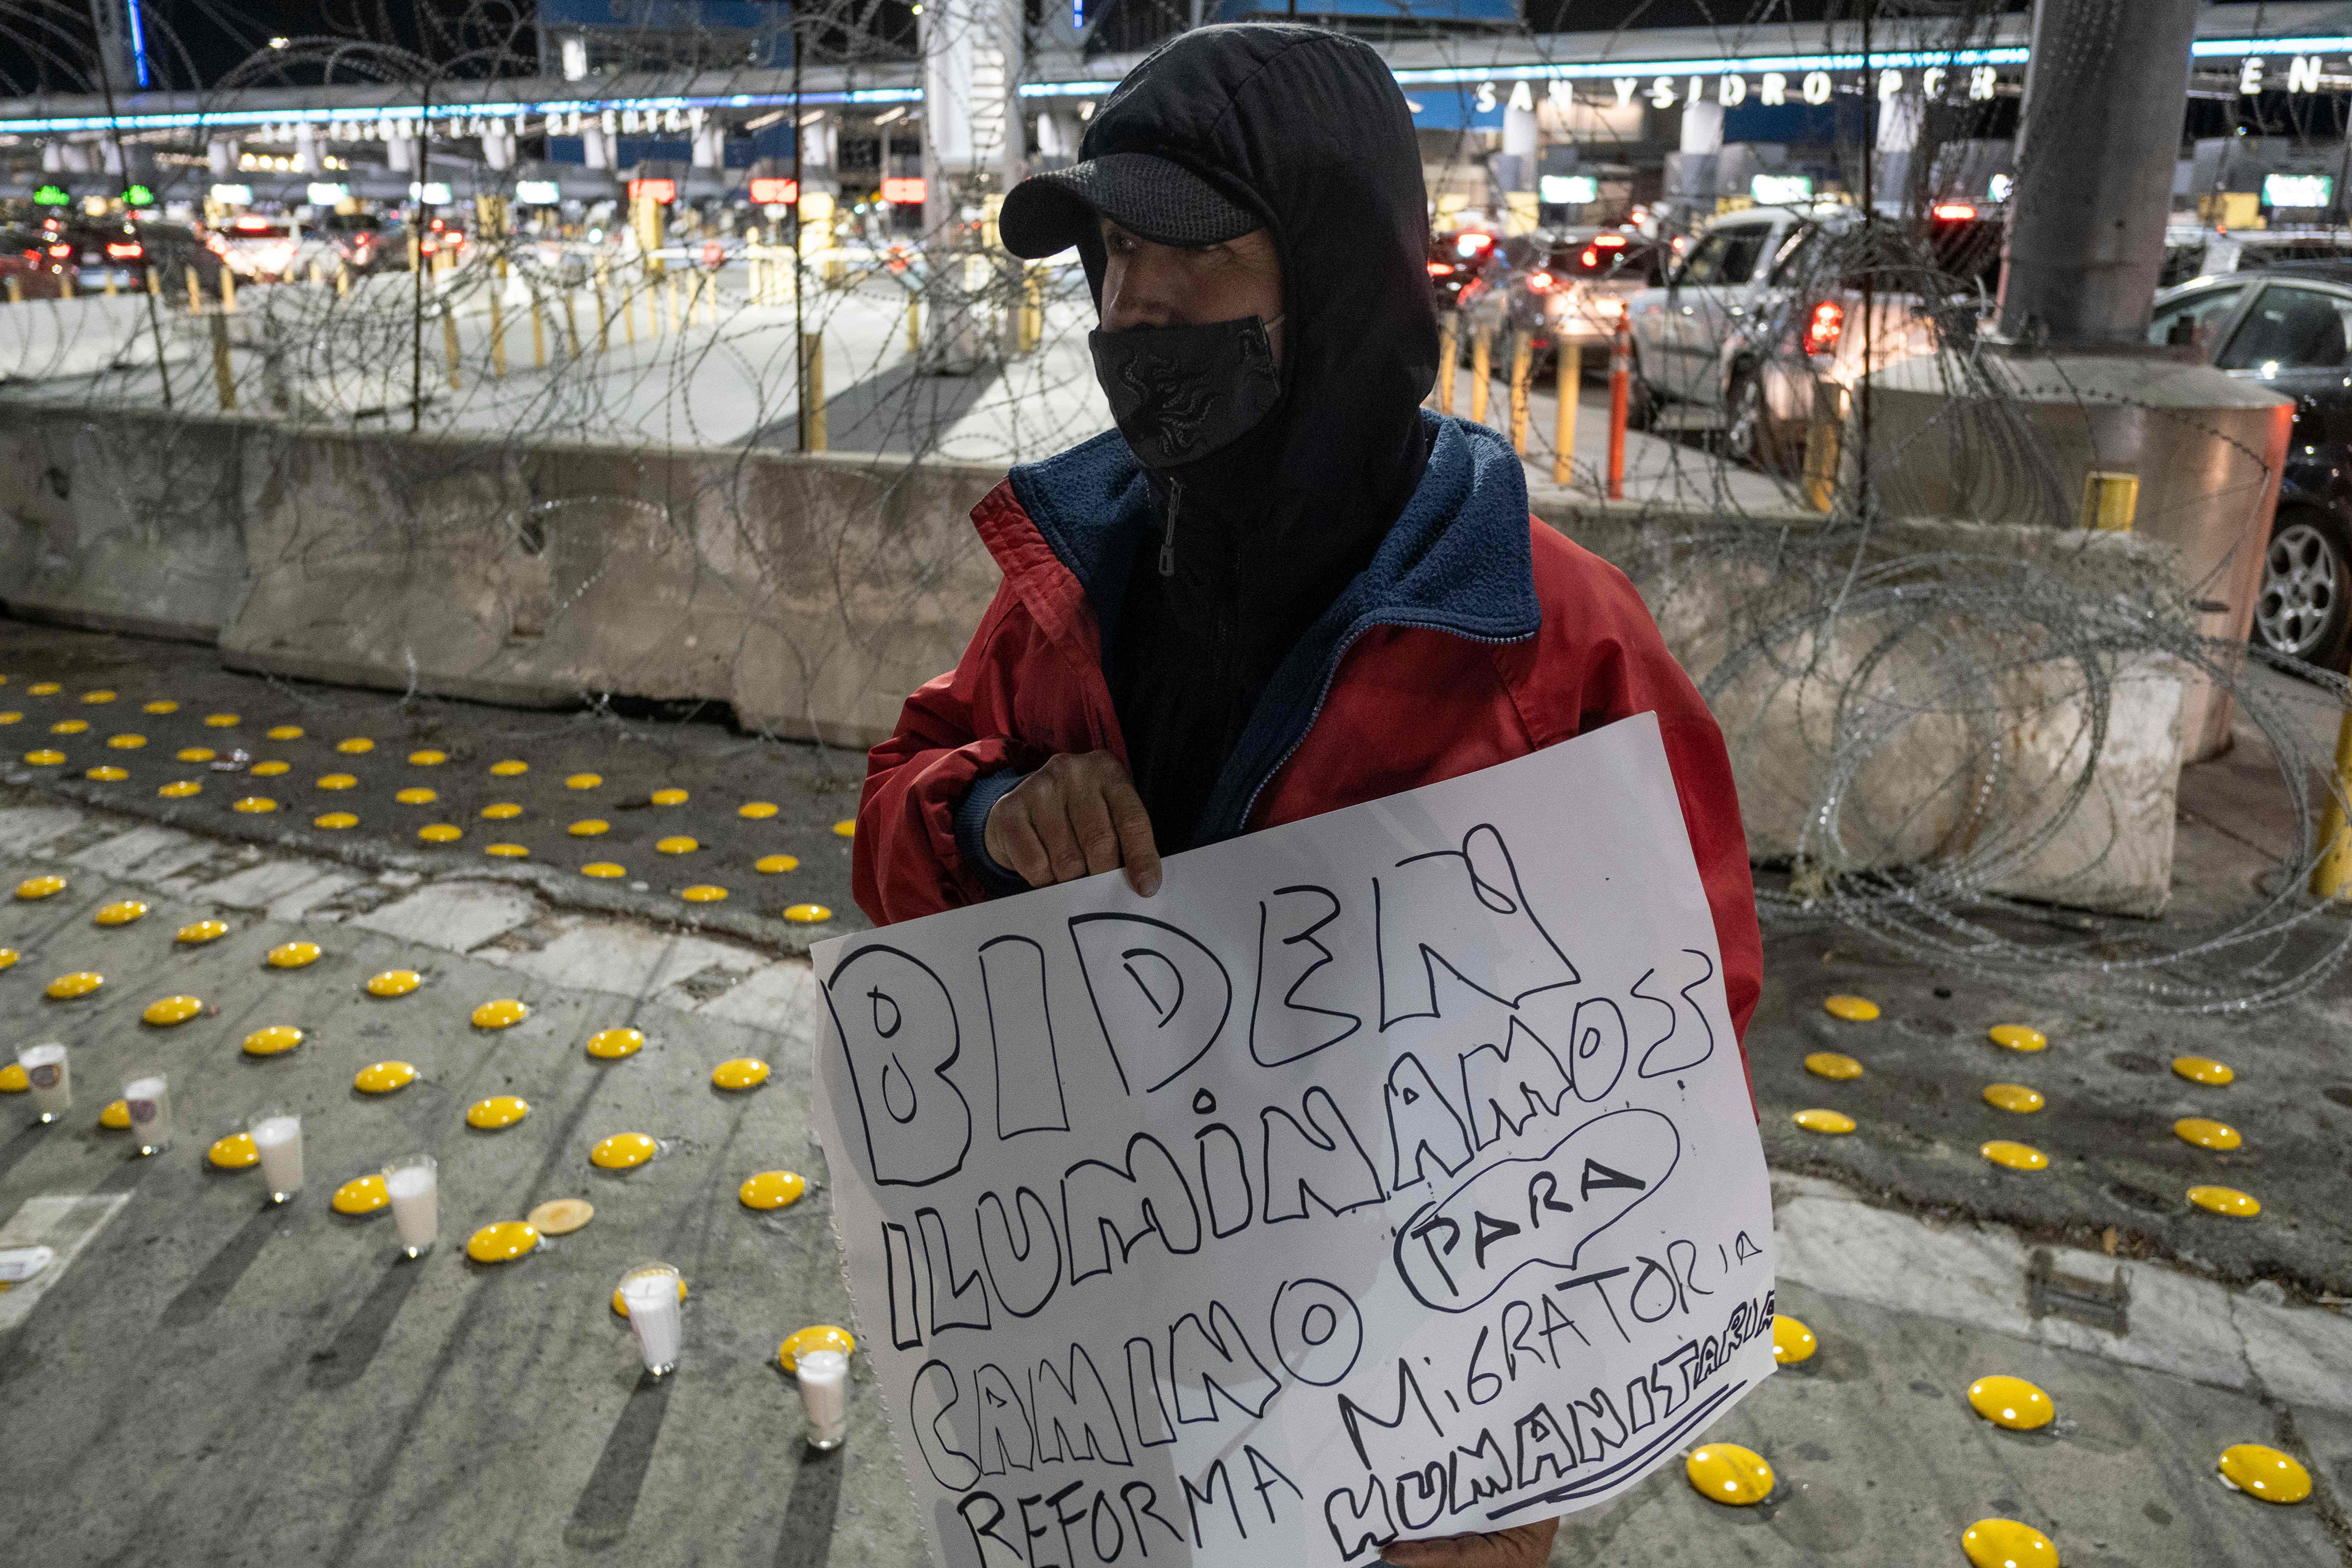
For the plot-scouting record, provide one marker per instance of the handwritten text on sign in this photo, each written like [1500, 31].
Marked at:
[1391, 1173]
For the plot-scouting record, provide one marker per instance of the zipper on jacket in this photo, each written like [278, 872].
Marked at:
[1168, 534]
[1331, 674]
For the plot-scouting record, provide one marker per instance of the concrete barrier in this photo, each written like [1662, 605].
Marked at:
[812, 592]
[123, 522]
[44, 339]
[1943, 711]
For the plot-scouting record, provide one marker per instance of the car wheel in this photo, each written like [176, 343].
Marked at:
[1746, 433]
[2306, 602]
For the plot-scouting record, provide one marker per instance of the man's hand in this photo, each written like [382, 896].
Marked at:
[1523, 1546]
[1073, 818]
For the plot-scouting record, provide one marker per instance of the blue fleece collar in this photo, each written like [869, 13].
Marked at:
[1458, 560]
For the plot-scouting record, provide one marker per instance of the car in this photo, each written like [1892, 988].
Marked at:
[2289, 327]
[358, 238]
[2191, 251]
[261, 249]
[1569, 285]
[1455, 260]
[1769, 303]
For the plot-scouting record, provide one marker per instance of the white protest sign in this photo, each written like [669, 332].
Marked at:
[1391, 1173]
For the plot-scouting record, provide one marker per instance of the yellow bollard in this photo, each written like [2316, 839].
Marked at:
[154, 284]
[318, 273]
[342, 280]
[914, 323]
[674, 323]
[498, 331]
[570, 325]
[224, 379]
[70, 282]
[2110, 501]
[538, 332]
[109, 283]
[16, 289]
[1523, 349]
[1449, 344]
[195, 294]
[812, 412]
[1824, 439]
[1563, 421]
[2332, 877]
[1482, 371]
[416, 251]
[449, 343]
[228, 291]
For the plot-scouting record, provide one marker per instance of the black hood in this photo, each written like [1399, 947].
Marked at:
[1308, 130]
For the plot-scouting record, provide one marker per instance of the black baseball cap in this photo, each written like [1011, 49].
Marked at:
[1153, 198]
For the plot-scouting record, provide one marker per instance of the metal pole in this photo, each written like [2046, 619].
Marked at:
[1563, 422]
[801, 388]
[2095, 152]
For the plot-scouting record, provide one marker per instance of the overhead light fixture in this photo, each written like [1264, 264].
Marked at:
[812, 117]
[279, 43]
[892, 118]
[766, 120]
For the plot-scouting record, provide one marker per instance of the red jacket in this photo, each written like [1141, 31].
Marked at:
[1478, 635]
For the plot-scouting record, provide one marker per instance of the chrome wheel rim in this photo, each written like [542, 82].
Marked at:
[2302, 579]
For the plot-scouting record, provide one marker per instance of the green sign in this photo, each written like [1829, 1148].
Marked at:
[52, 196]
[138, 196]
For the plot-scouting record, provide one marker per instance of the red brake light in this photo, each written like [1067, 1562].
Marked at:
[1609, 241]
[904, 190]
[61, 250]
[1955, 211]
[1591, 257]
[1441, 268]
[253, 226]
[455, 238]
[1538, 280]
[1471, 243]
[1824, 327]
[124, 252]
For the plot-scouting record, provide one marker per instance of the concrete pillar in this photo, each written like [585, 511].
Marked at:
[973, 146]
[220, 156]
[1902, 115]
[399, 150]
[306, 147]
[709, 141]
[498, 144]
[1514, 165]
[2103, 104]
[53, 157]
[1702, 127]
[597, 144]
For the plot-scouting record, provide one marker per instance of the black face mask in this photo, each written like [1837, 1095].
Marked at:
[1180, 392]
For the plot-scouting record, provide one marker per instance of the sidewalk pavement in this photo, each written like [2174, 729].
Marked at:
[222, 1382]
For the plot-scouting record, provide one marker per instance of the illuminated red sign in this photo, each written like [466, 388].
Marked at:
[663, 191]
[905, 192]
[773, 192]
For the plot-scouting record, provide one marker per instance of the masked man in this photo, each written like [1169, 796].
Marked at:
[1280, 586]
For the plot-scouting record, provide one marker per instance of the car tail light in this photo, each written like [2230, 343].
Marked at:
[1471, 244]
[1824, 327]
[1591, 257]
[253, 226]
[1611, 241]
[61, 250]
[1610, 307]
[455, 238]
[130, 252]
[1540, 281]
[1957, 211]
[1441, 269]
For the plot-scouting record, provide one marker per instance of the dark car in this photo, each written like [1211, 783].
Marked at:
[1564, 286]
[1455, 260]
[2290, 328]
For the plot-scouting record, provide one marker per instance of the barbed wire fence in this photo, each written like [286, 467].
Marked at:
[1939, 703]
